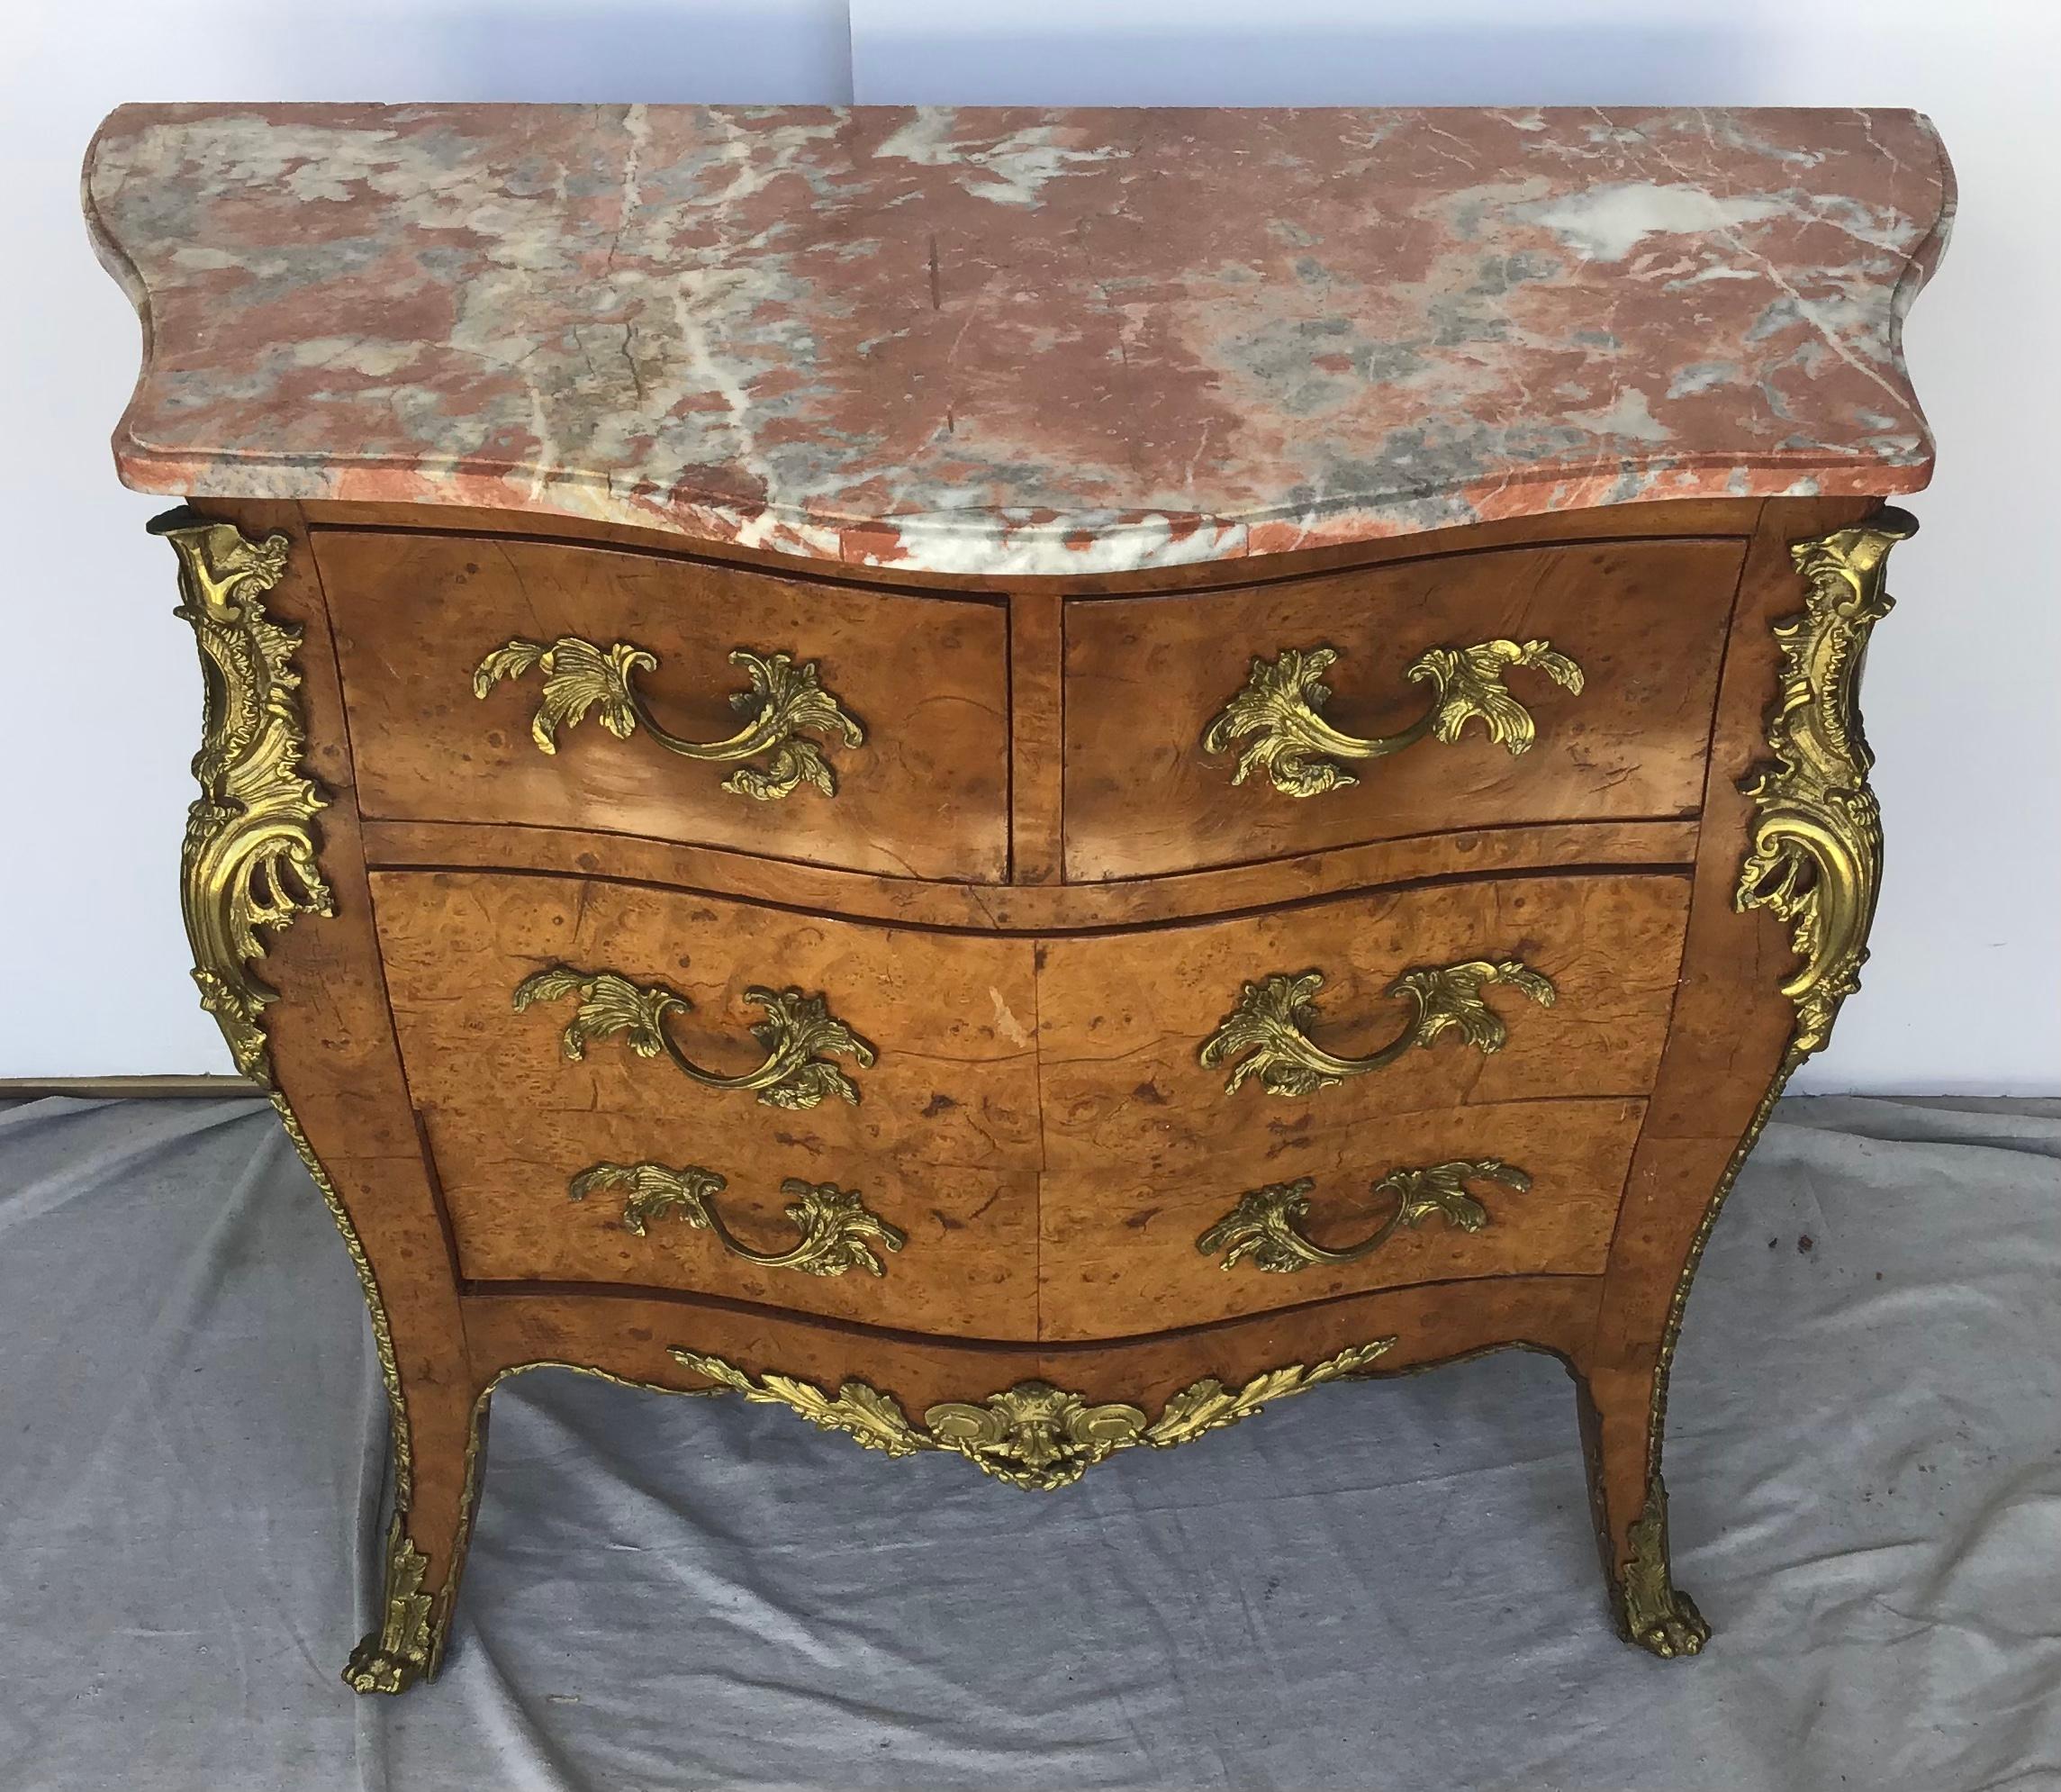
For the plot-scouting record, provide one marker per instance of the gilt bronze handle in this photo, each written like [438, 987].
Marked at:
[784, 705]
[834, 1223]
[1267, 1027]
[799, 1032]
[1262, 1226]
[1283, 700]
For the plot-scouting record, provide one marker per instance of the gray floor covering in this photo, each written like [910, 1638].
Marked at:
[1380, 1585]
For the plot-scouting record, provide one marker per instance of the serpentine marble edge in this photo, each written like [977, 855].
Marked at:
[1019, 341]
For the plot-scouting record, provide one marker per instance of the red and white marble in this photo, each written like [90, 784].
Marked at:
[1019, 341]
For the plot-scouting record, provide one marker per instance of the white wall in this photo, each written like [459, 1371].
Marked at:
[1963, 994]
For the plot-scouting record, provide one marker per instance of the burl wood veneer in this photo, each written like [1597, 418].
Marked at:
[1023, 780]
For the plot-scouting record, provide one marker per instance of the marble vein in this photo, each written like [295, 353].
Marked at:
[1019, 341]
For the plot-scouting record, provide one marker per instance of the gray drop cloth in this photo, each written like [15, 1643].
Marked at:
[1381, 1585]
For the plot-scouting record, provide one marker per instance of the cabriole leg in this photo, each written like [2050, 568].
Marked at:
[1629, 1504]
[425, 1547]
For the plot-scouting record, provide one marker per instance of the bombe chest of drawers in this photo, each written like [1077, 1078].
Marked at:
[1022, 780]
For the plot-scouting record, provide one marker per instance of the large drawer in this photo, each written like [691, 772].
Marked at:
[900, 703]
[1302, 676]
[931, 1033]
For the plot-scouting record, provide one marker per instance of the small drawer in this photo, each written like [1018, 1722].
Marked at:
[589, 1059]
[708, 705]
[1532, 685]
[1528, 1188]
[1169, 1052]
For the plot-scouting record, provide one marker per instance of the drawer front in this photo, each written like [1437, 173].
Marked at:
[1346, 1014]
[855, 728]
[1551, 683]
[1528, 1188]
[740, 1084]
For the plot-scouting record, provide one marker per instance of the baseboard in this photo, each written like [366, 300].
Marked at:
[125, 1087]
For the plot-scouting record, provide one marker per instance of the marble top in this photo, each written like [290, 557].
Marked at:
[1021, 341]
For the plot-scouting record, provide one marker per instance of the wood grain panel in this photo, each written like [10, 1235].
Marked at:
[1659, 517]
[1645, 621]
[926, 796]
[1122, 1016]
[1036, 742]
[1118, 1255]
[1065, 907]
[942, 1142]
[631, 1337]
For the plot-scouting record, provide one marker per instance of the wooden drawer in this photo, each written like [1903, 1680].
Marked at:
[941, 1141]
[1642, 621]
[1527, 1188]
[1122, 1017]
[923, 795]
